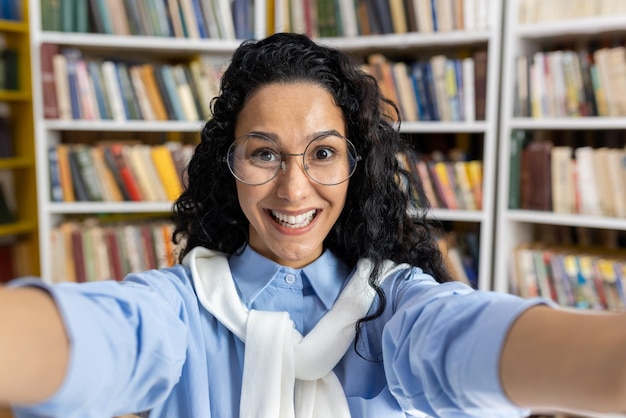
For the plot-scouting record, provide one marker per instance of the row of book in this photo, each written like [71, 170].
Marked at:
[566, 179]
[533, 11]
[568, 83]
[77, 87]
[9, 74]
[90, 250]
[439, 88]
[460, 254]
[11, 10]
[247, 19]
[455, 185]
[571, 276]
[118, 171]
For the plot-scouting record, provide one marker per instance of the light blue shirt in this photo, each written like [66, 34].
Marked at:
[148, 345]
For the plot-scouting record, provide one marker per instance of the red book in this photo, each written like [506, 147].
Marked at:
[114, 253]
[79, 256]
[48, 85]
[130, 182]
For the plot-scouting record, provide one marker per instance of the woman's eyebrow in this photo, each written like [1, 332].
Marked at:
[274, 137]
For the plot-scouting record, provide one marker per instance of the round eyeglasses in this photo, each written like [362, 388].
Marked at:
[328, 159]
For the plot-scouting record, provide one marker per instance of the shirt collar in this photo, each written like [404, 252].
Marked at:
[253, 272]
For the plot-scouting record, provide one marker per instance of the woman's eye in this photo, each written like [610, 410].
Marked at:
[323, 153]
[264, 155]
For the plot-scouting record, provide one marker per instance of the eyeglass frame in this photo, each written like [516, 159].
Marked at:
[282, 165]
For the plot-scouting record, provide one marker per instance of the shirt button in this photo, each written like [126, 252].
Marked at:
[290, 278]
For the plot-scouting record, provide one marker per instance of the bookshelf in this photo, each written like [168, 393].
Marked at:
[18, 231]
[479, 134]
[530, 121]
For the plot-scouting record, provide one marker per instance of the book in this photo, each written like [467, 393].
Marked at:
[48, 86]
[143, 100]
[99, 90]
[128, 93]
[72, 55]
[562, 178]
[113, 91]
[166, 169]
[586, 181]
[480, 83]
[86, 173]
[109, 187]
[56, 189]
[125, 172]
[185, 94]
[146, 73]
[86, 93]
[65, 173]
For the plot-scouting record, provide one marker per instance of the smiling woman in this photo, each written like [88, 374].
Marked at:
[309, 285]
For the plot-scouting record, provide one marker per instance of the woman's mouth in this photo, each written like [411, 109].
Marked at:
[294, 221]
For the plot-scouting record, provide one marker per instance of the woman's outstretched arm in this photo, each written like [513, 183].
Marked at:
[34, 348]
[566, 360]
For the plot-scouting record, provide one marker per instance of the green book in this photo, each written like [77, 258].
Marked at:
[518, 140]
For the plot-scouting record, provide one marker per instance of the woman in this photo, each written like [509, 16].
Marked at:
[294, 224]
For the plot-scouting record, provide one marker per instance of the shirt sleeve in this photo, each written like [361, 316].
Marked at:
[441, 348]
[127, 345]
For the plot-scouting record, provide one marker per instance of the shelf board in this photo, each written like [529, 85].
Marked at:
[227, 46]
[443, 127]
[109, 207]
[557, 29]
[582, 123]
[17, 228]
[162, 44]
[13, 26]
[14, 96]
[551, 218]
[10, 163]
[129, 125]
[404, 41]
[457, 215]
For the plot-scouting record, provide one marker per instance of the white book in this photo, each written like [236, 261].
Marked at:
[617, 175]
[298, 17]
[469, 15]
[208, 13]
[347, 12]
[189, 17]
[59, 63]
[184, 93]
[142, 97]
[260, 19]
[224, 16]
[112, 87]
[406, 93]
[469, 90]
[424, 11]
[587, 189]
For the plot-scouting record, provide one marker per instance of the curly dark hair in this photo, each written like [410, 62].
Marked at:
[385, 211]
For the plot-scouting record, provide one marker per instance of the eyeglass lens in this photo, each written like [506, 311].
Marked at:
[328, 159]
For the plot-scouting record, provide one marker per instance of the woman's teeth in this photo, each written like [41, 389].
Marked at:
[298, 221]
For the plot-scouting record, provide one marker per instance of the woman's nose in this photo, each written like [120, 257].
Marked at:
[293, 182]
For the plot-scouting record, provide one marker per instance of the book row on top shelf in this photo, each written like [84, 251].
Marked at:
[245, 19]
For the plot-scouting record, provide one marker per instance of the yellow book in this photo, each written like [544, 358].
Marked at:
[170, 178]
[65, 174]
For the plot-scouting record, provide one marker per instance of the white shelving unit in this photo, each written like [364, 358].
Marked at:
[513, 225]
[48, 132]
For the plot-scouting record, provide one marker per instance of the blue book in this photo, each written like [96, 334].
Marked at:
[172, 92]
[199, 19]
[98, 84]
[72, 55]
[56, 190]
